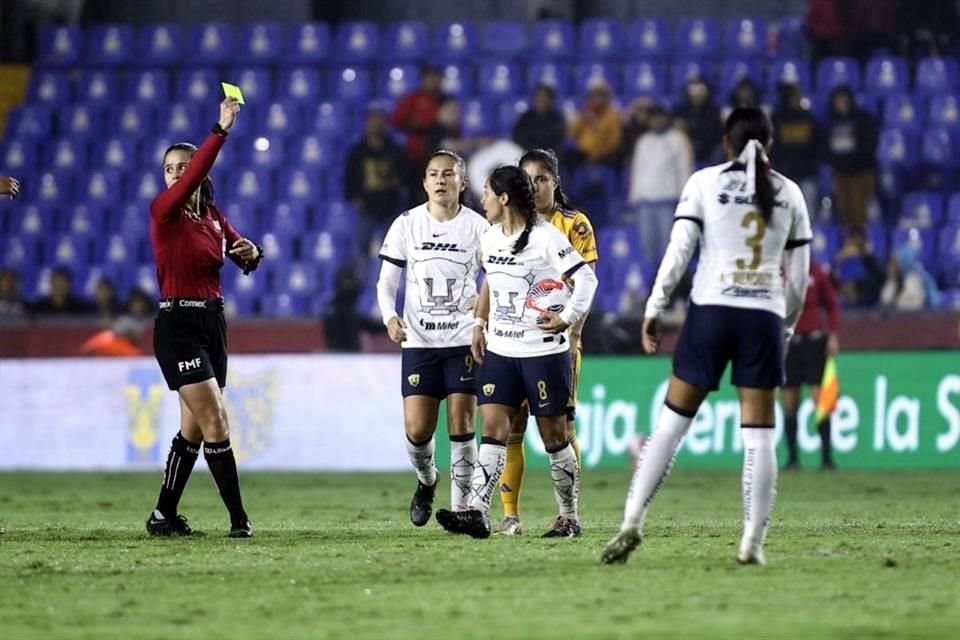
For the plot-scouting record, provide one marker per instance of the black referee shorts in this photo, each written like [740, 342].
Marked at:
[190, 341]
[806, 359]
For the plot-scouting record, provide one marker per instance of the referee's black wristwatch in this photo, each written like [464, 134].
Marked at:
[255, 262]
[220, 131]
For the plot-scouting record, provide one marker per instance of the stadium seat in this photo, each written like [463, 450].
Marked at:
[51, 186]
[328, 119]
[117, 251]
[457, 80]
[644, 79]
[300, 186]
[649, 39]
[477, 118]
[31, 121]
[132, 119]
[82, 121]
[144, 185]
[300, 83]
[900, 110]
[67, 250]
[211, 44]
[109, 45]
[553, 40]
[407, 41]
[789, 71]
[587, 74]
[504, 40]
[953, 209]
[551, 74]
[184, 120]
[251, 186]
[600, 40]
[877, 241]
[920, 209]
[259, 43]
[897, 148]
[283, 117]
[745, 37]
[19, 157]
[254, 82]
[455, 41]
[826, 243]
[923, 240]
[790, 36]
[312, 152]
[69, 154]
[357, 42]
[684, 70]
[834, 72]
[101, 186]
[320, 247]
[36, 220]
[265, 151]
[149, 86]
[19, 252]
[159, 45]
[944, 111]
[49, 86]
[198, 85]
[939, 157]
[733, 71]
[340, 220]
[397, 81]
[937, 75]
[99, 87]
[115, 152]
[60, 46]
[288, 217]
[308, 43]
[886, 75]
[507, 113]
[697, 37]
[351, 84]
[131, 219]
[499, 80]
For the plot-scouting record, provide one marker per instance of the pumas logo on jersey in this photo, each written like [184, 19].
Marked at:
[440, 246]
[414, 379]
[501, 260]
[488, 389]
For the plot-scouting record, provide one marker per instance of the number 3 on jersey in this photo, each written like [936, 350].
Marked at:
[755, 241]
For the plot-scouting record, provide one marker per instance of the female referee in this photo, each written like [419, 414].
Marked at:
[748, 221]
[438, 245]
[527, 357]
[190, 239]
[552, 205]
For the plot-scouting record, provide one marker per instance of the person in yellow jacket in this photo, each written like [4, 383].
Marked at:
[597, 130]
[552, 205]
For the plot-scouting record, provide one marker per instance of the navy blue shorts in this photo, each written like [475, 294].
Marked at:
[438, 372]
[714, 335]
[543, 381]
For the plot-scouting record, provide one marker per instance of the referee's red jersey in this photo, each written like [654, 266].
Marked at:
[821, 312]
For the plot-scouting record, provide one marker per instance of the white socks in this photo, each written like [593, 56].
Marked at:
[759, 483]
[463, 459]
[565, 475]
[486, 475]
[653, 464]
[421, 457]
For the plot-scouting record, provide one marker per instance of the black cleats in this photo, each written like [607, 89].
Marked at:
[176, 526]
[471, 522]
[564, 528]
[241, 530]
[619, 549]
[421, 507]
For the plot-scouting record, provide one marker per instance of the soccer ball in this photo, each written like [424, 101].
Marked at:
[548, 295]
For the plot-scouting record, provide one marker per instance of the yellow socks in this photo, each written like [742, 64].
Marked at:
[512, 478]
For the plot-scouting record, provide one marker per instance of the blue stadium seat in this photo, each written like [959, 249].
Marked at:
[244, 217]
[684, 70]
[554, 75]
[600, 40]
[132, 119]
[923, 240]
[144, 185]
[697, 37]
[259, 43]
[250, 185]
[211, 44]
[921, 209]
[937, 75]
[49, 86]
[60, 46]
[745, 37]
[300, 186]
[266, 151]
[18, 252]
[115, 152]
[644, 79]
[791, 36]
[340, 220]
[649, 39]
[939, 157]
[455, 41]
[285, 305]
[313, 152]
[457, 80]
[826, 243]
[99, 186]
[83, 121]
[887, 75]
[149, 86]
[198, 85]
[278, 246]
[131, 219]
[300, 83]
[184, 120]
[117, 251]
[507, 113]
[98, 86]
[953, 209]
[733, 71]
[109, 45]
[69, 154]
[587, 74]
[553, 40]
[833, 72]
[357, 42]
[504, 39]
[288, 217]
[283, 117]
[159, 45]
[52, 187]
[254, 82]
[351, 84]
[31, 121]
[35, 220]
[901, 110]
[308, 43]
[477, 118]
[877, 241]
[897, 148]
[321, 248]
[789, 71]
[945, 111]
[397, 81]
[406, 41]
[328, 119]
[19, 157]
[499, 79]
[67, 250]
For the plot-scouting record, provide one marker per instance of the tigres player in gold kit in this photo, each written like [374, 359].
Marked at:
[551, 203]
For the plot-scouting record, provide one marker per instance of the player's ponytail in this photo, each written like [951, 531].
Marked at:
[459, 163]
[548, 159]
[749, 131]
[206, 192]
[515, 182]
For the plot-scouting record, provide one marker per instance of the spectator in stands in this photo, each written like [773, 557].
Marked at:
[372, 179]
[929, 28]
[851, 142]
[342, 323]
[796, 137]
[139, 304]
[662, 161]
[745, 94]
[909, 286]
[699, 117]
[414, 115]
[62, 300]
[542, 126]
[105, 302]
[636, 122]
[858, 273]
[12, 304]
[9, 186]
[596, 132]
[447, 133]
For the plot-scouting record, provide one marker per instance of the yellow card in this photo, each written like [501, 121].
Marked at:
[232, 91]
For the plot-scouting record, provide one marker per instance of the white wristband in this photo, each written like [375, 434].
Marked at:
[479, 322]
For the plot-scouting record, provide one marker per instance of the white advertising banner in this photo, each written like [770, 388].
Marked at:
[309, 412]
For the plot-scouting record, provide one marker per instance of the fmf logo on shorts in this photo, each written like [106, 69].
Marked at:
[186, 366]
[144, 392]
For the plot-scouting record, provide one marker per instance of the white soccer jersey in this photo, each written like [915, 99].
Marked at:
[442, 265]
[525, 284]
[741, 255]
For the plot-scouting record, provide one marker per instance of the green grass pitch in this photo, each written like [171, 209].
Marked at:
[852, 555]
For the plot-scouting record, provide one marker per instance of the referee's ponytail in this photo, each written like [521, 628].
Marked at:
[749, 131]
[515, 182]
[207, 195]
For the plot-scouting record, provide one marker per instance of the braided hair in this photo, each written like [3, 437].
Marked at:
[548, 159]
[460, 165]
[206, 194]
[514, 181]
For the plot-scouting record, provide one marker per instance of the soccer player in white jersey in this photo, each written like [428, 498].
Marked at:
[524, 353]
[753, 230]
[438, 245]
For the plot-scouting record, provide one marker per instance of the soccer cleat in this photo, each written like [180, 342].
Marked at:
[564, 528]
[471, 522]
[750, 553]
[241, 530]
[421, 507]
[619, 549]
[510, 526]
[157, 525]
